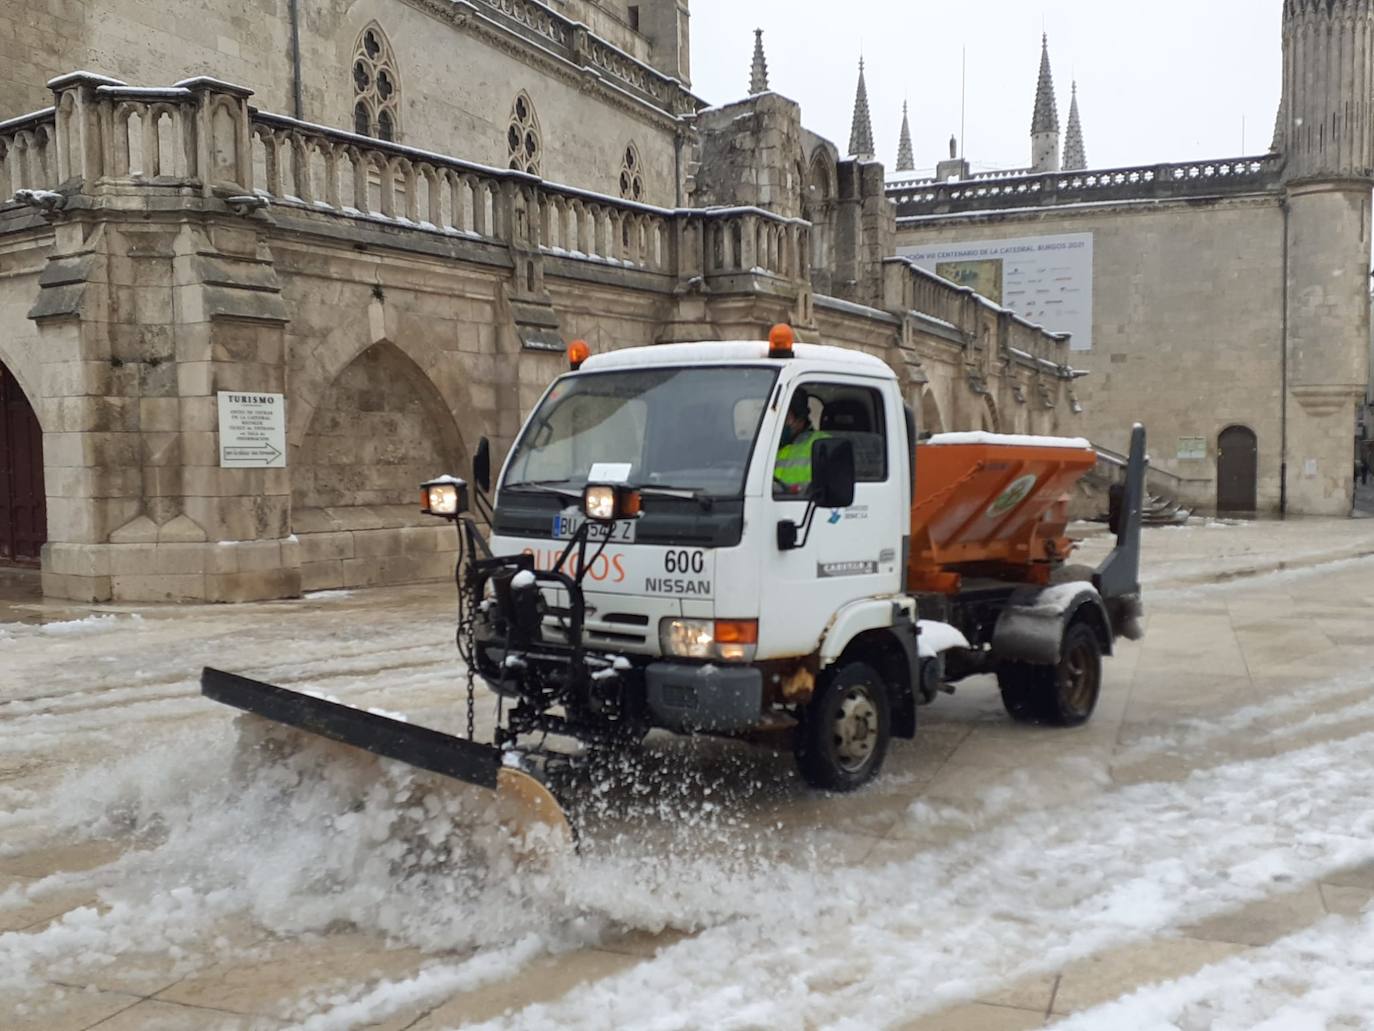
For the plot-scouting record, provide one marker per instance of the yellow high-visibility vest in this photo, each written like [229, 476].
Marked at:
[793, 467]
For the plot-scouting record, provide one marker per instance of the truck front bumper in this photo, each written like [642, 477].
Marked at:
[720, 699]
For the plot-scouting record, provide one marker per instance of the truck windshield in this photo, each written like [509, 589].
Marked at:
[685, 429]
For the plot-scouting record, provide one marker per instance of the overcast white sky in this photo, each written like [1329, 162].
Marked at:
[1169, 81]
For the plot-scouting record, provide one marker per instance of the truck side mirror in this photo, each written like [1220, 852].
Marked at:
[832, 473]
[481, 466]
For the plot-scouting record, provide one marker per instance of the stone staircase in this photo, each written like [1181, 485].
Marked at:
[1092, 498]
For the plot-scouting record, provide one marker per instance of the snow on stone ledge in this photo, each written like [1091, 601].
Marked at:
[1009, 440]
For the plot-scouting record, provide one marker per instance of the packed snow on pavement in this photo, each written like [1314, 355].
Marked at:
[766, 904]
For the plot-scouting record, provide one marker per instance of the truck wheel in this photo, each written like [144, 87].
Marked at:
[843, 738]
[1064, 694]
[1019, 684]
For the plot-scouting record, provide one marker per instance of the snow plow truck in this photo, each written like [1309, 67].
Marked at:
[666, 551]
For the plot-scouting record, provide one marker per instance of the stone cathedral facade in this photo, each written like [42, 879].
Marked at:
[394, 215]
[1226, 303]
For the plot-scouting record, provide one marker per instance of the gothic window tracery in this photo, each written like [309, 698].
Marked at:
[376, 92]
[524, 142]
[631, 176]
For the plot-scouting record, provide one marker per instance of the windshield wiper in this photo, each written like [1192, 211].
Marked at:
[706, 501]
[542, 487]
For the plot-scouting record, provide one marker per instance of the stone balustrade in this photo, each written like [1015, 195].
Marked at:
[966, 315]
[1147, 182]
[103, 131]
[27, 155]
[935, 297]
[200, 135]
[1001, 173]
[574, 42]
[321, 169]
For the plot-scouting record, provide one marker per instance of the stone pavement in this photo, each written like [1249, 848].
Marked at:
[1239, 615]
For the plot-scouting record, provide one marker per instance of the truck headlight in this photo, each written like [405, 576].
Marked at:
[727, 640]
[604, 502]
[446, 497]
[599, 503]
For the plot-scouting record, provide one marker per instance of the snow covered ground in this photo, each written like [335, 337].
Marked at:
[1201, 855]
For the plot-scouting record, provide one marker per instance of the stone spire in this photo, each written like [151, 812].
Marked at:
[1045, 124]
[1046, 108]
[1075, 157]
[758, 75]
[906, 158]
[861, 132]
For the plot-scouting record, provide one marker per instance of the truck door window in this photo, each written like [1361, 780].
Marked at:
[838, 410]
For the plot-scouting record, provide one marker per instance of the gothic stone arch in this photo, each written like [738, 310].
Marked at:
[377, 433]
[818, 206]
[376, 86]
[369, 421]
[23, 497]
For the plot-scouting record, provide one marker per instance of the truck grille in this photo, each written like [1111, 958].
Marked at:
[614, 628]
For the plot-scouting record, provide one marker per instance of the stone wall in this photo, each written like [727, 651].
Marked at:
[751, 153]
[404, 303]
[1187, 326]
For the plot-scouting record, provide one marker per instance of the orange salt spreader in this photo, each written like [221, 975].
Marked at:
[992, 506]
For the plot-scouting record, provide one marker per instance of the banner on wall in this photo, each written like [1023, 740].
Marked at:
[1047, 280]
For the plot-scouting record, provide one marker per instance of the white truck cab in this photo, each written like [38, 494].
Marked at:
[724, 599]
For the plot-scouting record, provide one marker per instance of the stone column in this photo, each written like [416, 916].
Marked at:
[157, 297]
[1328, 341]
[1326, 133]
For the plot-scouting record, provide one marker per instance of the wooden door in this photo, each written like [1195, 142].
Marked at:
[23, 508]
[1237, 470]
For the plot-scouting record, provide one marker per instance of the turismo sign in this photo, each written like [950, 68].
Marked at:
[252, 430]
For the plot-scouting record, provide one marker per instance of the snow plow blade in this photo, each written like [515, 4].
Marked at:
[532, 807]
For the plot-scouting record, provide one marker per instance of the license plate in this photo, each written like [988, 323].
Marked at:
[566, 524]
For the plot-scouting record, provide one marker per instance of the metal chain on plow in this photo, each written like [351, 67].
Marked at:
[466, 627]
[468, 606]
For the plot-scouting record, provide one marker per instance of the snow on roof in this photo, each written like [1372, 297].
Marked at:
[1009, 440]
[32, 116]
[717, 351]
[85, 76]
[840, 304]
[152, 92]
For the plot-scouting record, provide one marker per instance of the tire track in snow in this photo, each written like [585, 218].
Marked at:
[838, 950]
[1317, 978]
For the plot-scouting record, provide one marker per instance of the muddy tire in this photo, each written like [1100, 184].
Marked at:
[845, 729]
[1062, 695]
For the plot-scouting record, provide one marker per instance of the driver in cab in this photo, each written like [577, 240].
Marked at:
[792, 473]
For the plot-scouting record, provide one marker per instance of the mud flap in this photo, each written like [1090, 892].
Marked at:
[531, 804]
